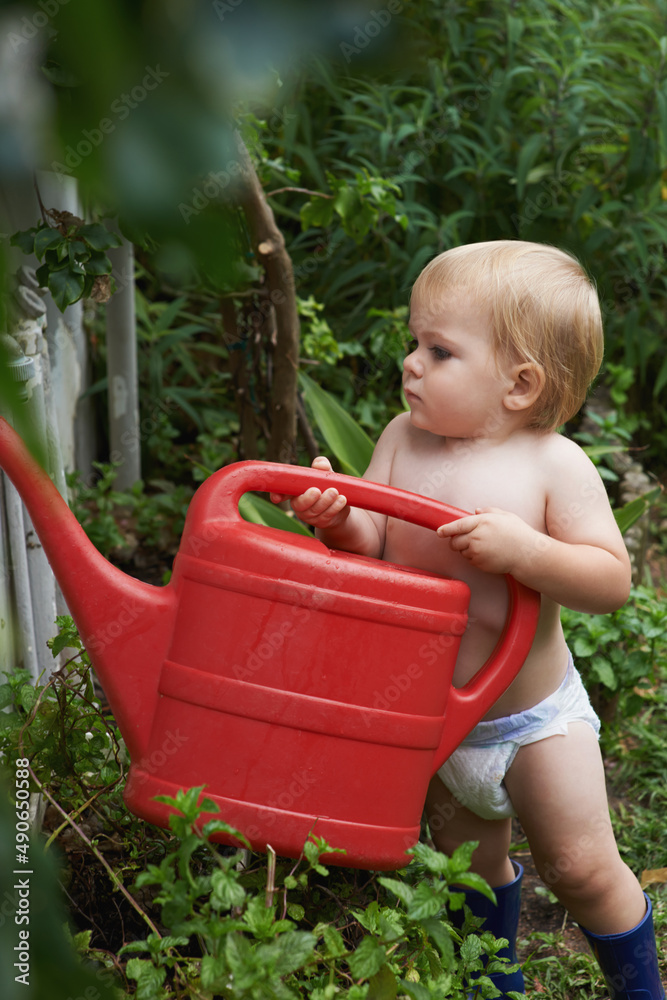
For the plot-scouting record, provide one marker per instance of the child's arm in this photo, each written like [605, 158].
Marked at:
[336, 523]
[582, 562]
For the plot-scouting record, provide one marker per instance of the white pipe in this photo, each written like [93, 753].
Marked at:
[124, 436]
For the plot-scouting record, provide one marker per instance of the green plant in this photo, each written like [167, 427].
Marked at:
[268, 932]
[621, 651]
[75, 263]
[72, 745]
[94, 506]
[610, 438]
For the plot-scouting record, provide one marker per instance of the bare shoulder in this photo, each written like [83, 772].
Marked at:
[578, 508]
[398, 430]
[394, 437]
[562, 456]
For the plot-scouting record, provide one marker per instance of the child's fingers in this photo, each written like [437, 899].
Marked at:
[315, 502]
[322, 463]
[459, 527]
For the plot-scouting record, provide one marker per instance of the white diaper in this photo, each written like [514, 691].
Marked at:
[475, 772]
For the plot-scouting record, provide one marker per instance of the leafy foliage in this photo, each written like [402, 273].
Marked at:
[73, 255]
[621, 651]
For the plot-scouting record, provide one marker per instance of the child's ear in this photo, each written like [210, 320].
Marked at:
[528, 382]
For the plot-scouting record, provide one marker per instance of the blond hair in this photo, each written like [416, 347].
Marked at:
[544, 309]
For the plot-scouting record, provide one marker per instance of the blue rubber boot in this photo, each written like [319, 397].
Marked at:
[629, 961]
[502, 920]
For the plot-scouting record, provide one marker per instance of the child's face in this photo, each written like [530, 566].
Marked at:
[452, 381]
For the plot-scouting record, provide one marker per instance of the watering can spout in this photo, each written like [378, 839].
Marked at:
[125, 625]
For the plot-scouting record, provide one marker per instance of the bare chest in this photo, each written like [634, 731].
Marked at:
[469, 479]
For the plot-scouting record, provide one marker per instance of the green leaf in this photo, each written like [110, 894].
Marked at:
[98, 263]
[368, 958]
[347, 440]
[25, 240]
[630, 513]
[416, 991]
[333, 941]
[149, 979]
[259, 511]
[47, 238]
[66, 287]
[98, 236]
[213, 971]
[404, 891]
[604, 672]
[383, 985]
[317, 212]
[439, 934]
[296, 911]
[219, 826]
[527, 157]
[294, 950]
[426, 902]
[226, 891]
[6, 695]
[27, 697]
[584, 646]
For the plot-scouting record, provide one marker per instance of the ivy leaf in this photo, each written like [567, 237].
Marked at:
[98, 263]
[66, 287]
[24, 240]
[98, 236]
[45, 239]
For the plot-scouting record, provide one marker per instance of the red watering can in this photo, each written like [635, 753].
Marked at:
[298, 683]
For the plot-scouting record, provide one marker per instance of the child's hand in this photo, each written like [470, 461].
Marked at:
[326, 509]
[491, 539]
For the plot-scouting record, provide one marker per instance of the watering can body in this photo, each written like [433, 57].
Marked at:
[309, 690]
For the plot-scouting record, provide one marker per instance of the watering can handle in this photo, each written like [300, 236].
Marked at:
[466, 705]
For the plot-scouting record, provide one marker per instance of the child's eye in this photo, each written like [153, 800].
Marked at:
[440, 353]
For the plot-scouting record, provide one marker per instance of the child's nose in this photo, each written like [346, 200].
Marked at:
[412, 365]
